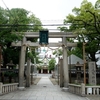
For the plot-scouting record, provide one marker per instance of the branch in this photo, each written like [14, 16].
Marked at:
[93, 14]
[85, 23]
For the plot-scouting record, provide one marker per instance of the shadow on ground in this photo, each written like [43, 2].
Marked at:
[36, 80]
[54, 81]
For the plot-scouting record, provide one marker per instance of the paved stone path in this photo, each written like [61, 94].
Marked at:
[44, 90]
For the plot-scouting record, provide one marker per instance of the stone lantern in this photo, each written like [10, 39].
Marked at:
[78, 72]
[10, 65]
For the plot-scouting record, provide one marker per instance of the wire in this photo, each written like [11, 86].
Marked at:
[52, 20]
[10, 12]
[67, 24]
[1, 25]
[7, 8]
[54, 49]
[5, 4]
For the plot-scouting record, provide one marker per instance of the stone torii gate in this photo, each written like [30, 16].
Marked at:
[24, 43]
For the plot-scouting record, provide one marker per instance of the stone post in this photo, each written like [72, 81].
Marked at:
[48, 71]
[0, 88]
[22, 64]
[65, 63]
[0, 60]
[82, 89]
[61, 73]
[92, 73]
[28, 73]
[35, 67]
[41, 71]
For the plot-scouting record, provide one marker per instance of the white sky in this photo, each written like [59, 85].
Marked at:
[45, 9]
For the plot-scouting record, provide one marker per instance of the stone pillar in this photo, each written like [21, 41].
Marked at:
[28, 73]
[0, 61]
[48, 71]
[22, 64]
[41, 71]
[1, 88]
[65, 63]
[82, 89]
[92, 73]
[32, 71]
[61, 73]
[35, 67]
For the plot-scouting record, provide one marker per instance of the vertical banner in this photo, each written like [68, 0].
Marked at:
[92, 73]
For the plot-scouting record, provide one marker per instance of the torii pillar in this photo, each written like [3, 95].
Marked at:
[28, 67]
[22, 64]
[65, 63]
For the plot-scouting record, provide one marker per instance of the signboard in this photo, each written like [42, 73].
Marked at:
[43, 35]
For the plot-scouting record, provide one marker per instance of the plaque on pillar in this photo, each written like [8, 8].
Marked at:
[92, 73]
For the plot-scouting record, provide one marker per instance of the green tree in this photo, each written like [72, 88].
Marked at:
[58, 52]
[15, 20]
[85, 23]
[52, 64]
[36, 25]
[35, 22]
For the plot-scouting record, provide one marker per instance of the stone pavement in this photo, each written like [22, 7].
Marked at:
[44, 90]
[93, 97]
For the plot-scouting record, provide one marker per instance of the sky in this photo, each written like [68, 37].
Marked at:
[48, 11]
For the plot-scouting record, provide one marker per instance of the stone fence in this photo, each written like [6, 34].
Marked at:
[6, 88]
[92, 90]
[84, 90]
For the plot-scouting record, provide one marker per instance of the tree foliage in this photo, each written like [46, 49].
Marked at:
[12, 21]
[58, 52]
[52, 64]
[85, 21]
